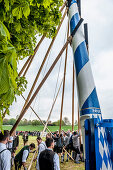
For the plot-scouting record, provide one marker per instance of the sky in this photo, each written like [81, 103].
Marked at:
[99, 16]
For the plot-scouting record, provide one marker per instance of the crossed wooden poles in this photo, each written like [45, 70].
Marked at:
[26, 66]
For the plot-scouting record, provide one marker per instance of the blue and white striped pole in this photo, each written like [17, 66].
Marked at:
[88, 100]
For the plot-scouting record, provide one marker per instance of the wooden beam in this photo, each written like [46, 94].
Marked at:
[35, 51]
[52, 107]
[61, 111]
[30, 59]
[63, 6]
[41, 84]
[73, 90]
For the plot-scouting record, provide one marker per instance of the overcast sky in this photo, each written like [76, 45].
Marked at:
[99, 16]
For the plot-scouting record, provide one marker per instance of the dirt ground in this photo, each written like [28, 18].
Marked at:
[70, 165]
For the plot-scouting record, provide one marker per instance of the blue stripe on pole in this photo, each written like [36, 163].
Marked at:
[72, 2]
[81, 57]
[74, 21]
[92, 101]
[90, 111]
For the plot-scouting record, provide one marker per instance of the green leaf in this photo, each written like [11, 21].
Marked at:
[18, 27]
[6, 4]
[26, 10]
[17, 12]
[4, 79]
[4, 31]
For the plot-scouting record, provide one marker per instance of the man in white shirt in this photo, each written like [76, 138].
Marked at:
[5, 154]
[41, 147]
[48, 159]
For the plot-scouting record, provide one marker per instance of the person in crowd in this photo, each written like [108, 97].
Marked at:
[9, 146]
[57, 133]
[76, 147]
[38, 133]
[49, 135]
[41, 147]
[14, 146]
[21, 157]
[48, 159]
[5, 154]
[55, 137]
[60, 147]
[25, 138]
[66, 144]
[15, 142]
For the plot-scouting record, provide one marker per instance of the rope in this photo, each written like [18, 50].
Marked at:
[52, 108]
[59, 68]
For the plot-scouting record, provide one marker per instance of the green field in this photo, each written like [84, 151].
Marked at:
[36, 128]
[63, 166]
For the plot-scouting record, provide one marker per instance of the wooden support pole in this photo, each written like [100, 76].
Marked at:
[41, 84]
[73, 91]
[32, 158]
[63, 84]
[68, 154]
[30, 59]
[5, 112]
[79, 127]
[24, 66]
[63, 6]
[36, 114]
[35, 51]
[52, 108]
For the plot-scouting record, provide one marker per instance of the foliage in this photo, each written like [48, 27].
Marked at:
[20, 22]
[57, 123]
[36, 122]
[66, 121]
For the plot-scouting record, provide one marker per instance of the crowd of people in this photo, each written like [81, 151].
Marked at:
[64, 145]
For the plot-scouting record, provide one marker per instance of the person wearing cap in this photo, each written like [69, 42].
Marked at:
[5, 154]
[21, 157]
[48, 159]
[41, 147]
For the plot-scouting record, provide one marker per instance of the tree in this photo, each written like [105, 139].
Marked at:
[35, 122]
[20, 22]
[66, 121]
[12, 121]
[57, 123]
[5, 122]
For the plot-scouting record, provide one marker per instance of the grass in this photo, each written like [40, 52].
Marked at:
[36, 128]
[64, 166]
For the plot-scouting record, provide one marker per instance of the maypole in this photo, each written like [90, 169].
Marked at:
[88, 100]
